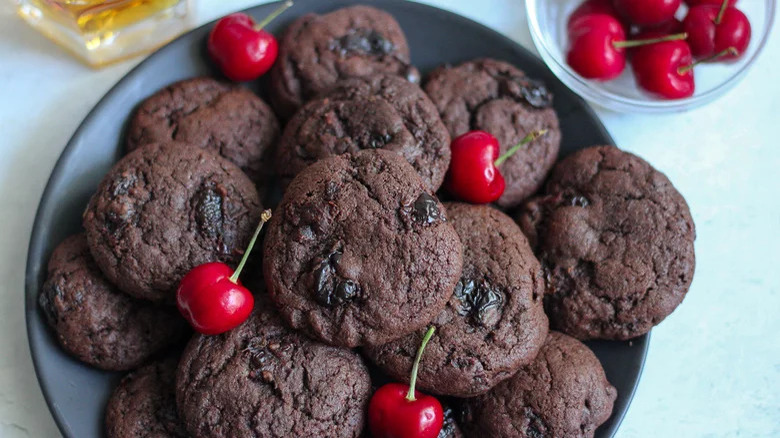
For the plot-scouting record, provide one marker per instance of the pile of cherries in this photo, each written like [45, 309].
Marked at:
[663, 50]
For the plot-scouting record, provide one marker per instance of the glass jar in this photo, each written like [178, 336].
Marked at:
[104, 31]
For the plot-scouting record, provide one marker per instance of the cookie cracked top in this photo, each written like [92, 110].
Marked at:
[496, 97]
[492, 325]
[316, 51]
[224, 118]
[380, 111]
[360, 251]
[97, 323]
[262, 380]
[164, 209]
[562, 393]
[616, 241]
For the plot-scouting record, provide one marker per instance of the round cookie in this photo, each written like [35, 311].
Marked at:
[224, 118]
[494, 96]
[616, 241]
[164, 209]
[144, 404]
[95, 322]
[360, 251]
[264, 380]
[316, 51]
[492, 325]
[380, 111]
[562, 393]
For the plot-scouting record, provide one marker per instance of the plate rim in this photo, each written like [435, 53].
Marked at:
[35, 245]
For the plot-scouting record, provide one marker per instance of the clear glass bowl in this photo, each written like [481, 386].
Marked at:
[547, 20]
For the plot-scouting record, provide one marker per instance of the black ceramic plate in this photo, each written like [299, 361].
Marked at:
[76, 393]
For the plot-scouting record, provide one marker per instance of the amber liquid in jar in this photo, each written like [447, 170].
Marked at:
[103, 31]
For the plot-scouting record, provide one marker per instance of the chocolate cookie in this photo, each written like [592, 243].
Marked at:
[144, 404]
[97, 323]
[616, 240]
[493, 324]
[264, 380]
[381, 111]
[317, 51]
[360, 251]
[496, 97]
[164, 209]
[223, 118]
[563, 393]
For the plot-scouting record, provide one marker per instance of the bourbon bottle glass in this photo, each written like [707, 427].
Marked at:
[104, 31]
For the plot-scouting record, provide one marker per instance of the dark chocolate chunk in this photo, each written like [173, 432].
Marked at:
[426, 209]
[365, 41]
[479, 300]
[333, 290]
[208, 209]
[536, 94]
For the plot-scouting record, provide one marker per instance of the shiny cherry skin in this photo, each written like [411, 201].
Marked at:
[211, 297]
[666, 28]
[693, 3]
[210, 301]
[647, 12]
[591, 7]
[592, 51]
[240, 51]
[391, 415]
[473, 176]
[399, 411]
[706, 37]
[664, 69]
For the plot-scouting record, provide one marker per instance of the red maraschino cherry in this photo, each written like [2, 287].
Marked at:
[242, 49]
[712, 29]
[647, 12]
[212, 298]
[597, 48]
[399, 411]
[473, 175]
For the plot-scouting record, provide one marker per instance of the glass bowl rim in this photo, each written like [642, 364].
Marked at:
[592, 92]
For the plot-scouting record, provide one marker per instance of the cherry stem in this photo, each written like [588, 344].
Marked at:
[730, 51]
[277, 12]
[721, 12]
[265, 216]
[527, 139]
[646, 41]
[412, 383]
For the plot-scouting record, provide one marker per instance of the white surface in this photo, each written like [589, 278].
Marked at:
[714, 366]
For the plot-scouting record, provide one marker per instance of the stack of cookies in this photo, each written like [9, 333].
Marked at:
[361, 256]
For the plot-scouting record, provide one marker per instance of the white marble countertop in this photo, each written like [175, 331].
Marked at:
[713, 368]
